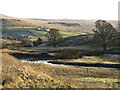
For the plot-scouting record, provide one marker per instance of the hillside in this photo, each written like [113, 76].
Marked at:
[8, 21]
[15, 22]
[76, 40]
[70, 25]
[16, 27]
[13, 27]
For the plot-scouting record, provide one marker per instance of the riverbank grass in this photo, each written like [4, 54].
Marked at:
[36, 75]
[92, 59]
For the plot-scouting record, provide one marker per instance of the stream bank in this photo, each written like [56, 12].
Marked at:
[80, 65]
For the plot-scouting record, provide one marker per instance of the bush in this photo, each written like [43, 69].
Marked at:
[4, 45]
[37, 42]
[26, 43]
[68, 54]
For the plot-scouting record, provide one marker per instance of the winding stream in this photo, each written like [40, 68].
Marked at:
[47, 62]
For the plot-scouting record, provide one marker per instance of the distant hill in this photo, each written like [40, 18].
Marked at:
[62, 24]
[13, 26]
[15, 22]
[12, 22]
[69, 24]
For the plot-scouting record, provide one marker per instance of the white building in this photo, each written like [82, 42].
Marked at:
[47, 30]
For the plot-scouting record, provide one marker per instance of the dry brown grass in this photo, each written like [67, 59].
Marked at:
[16, 74]
[9, 41]
[73, 76]
[92, 59]
[36, 75]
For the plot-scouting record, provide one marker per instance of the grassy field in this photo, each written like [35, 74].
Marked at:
[20, 27]
[9, 41]
[38, 33]
[29, 31]
[16, 27]
[35, 75]
[68, 34]
[64, 33]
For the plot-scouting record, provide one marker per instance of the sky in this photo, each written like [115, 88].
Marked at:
[61, 9]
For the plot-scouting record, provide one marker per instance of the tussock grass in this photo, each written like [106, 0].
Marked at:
[35, 75]
[73, 76]
[22, 75]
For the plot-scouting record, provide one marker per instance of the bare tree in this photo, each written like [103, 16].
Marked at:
[103, 33]
[54, 37]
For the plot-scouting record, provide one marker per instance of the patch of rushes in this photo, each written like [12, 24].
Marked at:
[68, 74]
[107, 82]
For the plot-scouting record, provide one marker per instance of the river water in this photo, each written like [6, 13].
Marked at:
[47, 62]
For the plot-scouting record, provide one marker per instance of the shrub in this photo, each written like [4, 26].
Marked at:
[68, 54]
[4, 45]
[26, 43]
[37, 42]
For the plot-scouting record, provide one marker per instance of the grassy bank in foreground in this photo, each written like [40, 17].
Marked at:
[16, 74]
[36, 75]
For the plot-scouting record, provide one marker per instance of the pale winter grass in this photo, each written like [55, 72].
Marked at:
[92, 59]
[16, 74]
